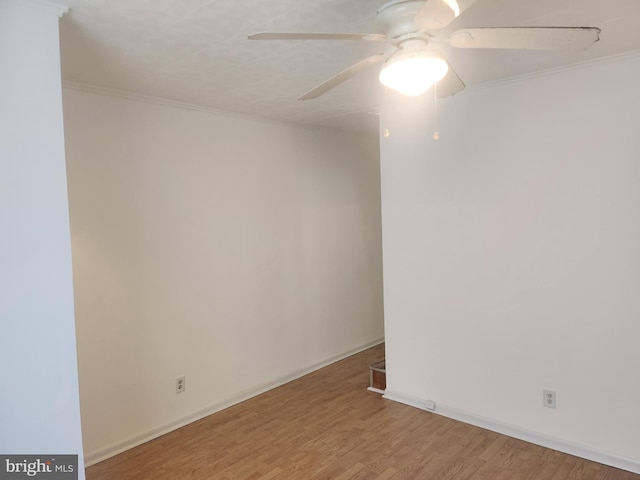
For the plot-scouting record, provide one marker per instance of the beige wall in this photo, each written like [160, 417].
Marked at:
[236, 252]
[511, 257]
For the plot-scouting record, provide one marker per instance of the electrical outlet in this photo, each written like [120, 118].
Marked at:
[431, 405]
[549, 398]
[181, 384]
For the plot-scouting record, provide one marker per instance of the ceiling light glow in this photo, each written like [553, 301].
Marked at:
[413, 74]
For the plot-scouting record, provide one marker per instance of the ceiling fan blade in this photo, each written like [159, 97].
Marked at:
[342, 76]
[450, 84]
[375, 37]
[527, 38]
[436, 14]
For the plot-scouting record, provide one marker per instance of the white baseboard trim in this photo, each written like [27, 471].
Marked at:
[98, 456]
[375, 390]
[530, 436]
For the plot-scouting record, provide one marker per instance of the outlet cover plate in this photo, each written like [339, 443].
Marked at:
[181, 384]
[549, 398]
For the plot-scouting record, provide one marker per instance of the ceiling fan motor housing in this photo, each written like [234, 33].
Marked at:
[397, 18]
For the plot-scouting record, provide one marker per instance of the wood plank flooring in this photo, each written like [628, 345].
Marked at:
[326, 425]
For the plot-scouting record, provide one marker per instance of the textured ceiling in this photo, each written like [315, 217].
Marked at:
[197, 52]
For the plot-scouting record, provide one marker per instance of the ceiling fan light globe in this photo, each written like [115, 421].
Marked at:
[414, 75]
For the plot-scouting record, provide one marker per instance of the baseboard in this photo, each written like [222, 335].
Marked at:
[521, 433]
[108, 452]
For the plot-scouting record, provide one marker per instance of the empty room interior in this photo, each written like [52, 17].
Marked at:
[223, 218]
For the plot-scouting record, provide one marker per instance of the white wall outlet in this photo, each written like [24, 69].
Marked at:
[431, 405]
[549, 398]
[181, 384]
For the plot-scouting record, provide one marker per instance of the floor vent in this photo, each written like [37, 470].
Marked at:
[377, 377]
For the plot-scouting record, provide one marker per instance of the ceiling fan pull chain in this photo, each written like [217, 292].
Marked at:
[436, 135]
[385, 132]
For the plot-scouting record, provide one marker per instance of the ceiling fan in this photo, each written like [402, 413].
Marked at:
[415, 64]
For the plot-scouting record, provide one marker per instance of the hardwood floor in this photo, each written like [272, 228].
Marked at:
[326, 425]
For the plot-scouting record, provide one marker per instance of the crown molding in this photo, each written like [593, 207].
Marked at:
[138, 97]
[150, 99]
[620, 57]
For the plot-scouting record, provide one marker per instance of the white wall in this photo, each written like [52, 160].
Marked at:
[236, 252]
[39, 410]
[511, 257]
